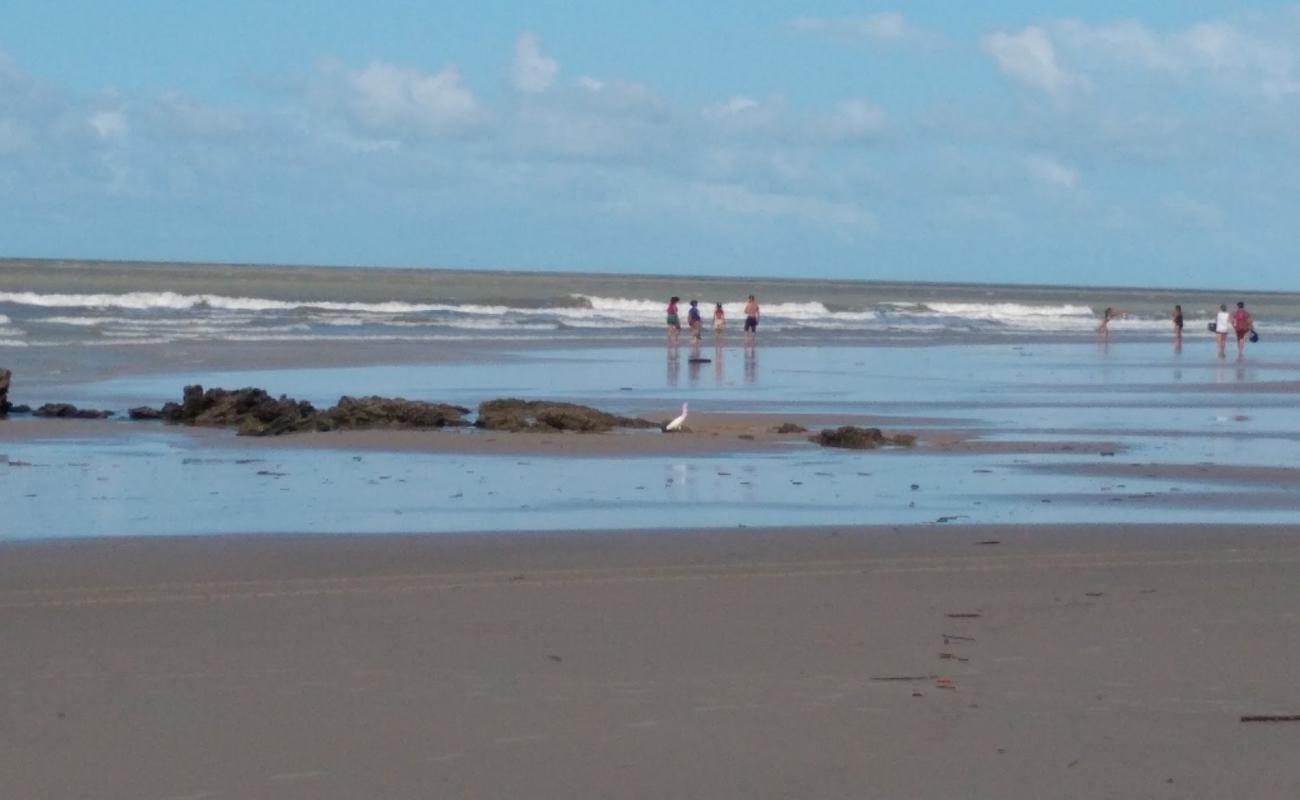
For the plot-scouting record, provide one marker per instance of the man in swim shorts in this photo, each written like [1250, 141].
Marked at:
[751, 318]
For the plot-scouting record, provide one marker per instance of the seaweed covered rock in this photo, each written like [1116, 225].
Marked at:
[855, 438]
[69, 411]
[789, 427]
[356, 413]
[256, 413]
[545, 416]
[253, 411]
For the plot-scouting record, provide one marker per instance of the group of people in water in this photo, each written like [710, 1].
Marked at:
[695, 322]
[1239, 323]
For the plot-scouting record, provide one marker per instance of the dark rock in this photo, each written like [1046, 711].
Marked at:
[5, 377]
[256, 413]
[69, 411]
[855, 438]
[546, 417]
[789, 427]
[252, 410]
[353, 413]
[23, 409]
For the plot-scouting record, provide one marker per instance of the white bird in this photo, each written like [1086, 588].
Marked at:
[676, 423]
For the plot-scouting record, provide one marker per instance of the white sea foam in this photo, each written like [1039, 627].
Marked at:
[160, 317]
[142, 301]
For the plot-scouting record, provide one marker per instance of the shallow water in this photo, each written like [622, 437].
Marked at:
[153, 480]
[171, 483]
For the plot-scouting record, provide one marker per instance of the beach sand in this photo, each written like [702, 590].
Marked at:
[1083, 662]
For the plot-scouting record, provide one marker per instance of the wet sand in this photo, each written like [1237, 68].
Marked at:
[706, 433]
[978, 662]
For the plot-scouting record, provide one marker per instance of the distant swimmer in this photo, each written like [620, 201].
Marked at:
[1222, 321]
[694, 321]
[1243, 324]
[751, 319]
[674, 324]
[719, 319]
[1106, 316]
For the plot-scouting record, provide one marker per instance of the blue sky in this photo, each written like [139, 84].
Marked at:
[1080, 143]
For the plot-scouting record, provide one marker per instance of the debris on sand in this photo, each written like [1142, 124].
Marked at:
[789, 427]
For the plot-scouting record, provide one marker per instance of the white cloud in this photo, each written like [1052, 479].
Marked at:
[593, 119]
[1030, 58]
[109, 125]
[851, 121]
[1244, 56]
[1051, 172]
[742, 116]
[390, 100]
[531, 71]
[887, 27]
[739, 200]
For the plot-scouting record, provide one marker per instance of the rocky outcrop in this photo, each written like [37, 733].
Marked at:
[544, 416]
[855, 438]
[256, 413]
[356, 413]
[789, 427]
[5, 405]
[253, 411]
[69, 411]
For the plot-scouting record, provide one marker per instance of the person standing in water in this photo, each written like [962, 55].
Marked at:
[1178, 327]
[751, 319]
[719, 320]
[674, 324]
[693, 320]
[1222, 321]
[1106, 316]
[1243, 323]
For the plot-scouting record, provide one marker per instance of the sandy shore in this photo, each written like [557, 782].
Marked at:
[706, 433]
[964, 662]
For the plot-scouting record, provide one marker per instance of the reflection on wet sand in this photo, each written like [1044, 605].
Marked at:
[693, 366]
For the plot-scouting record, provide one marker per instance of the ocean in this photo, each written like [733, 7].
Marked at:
[85, 303]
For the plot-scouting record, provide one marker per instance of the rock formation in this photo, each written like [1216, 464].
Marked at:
[69, 411]
[856, 438]
[354, 413]
[256, 413]
[545, 416]
[5, 405]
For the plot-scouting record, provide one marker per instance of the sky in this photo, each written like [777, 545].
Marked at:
[1093, 143]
